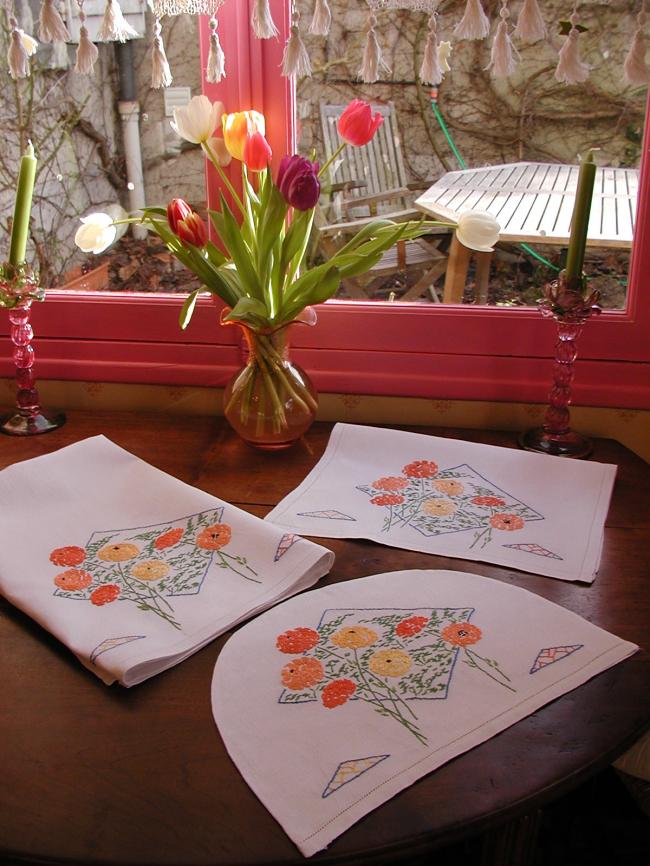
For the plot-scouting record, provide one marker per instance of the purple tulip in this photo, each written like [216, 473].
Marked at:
[298, 182]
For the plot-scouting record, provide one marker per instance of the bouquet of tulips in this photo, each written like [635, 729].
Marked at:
[257, 266]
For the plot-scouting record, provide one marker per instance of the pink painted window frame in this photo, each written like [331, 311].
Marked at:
[430, 351]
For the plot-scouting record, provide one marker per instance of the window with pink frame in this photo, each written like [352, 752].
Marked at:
[433, 351]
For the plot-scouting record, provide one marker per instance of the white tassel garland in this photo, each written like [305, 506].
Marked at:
[295, 61]
[474, 24]
[115, 27]
[161, 74]
[51, 26]
[503, 58]
[372, 63]
[17, 56]
[570, 68]
[635, 68]
[262, 21]
[216, 65]
[530, 24]
[430, 71]
[444, 53]
[322, 18]
[87, 51]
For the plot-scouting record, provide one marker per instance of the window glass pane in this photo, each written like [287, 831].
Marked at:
[522, 134]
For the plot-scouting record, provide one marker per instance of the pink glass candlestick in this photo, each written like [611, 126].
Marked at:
[29, 418]
[570, 309]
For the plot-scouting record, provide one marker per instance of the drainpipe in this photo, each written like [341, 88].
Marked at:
[129, 111]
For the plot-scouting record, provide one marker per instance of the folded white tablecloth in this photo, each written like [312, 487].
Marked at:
[131, 568]
[332, 702]
[532, 512]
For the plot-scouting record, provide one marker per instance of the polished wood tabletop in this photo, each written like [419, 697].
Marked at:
[91, 774]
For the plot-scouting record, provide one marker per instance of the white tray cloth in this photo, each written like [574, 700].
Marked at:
[527, 511]
[390, 676]
[132, 569]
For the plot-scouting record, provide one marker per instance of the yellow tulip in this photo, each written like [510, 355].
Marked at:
[238, 127]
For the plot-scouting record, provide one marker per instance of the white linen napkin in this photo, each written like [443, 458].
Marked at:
[392, 676]
[131, 568]
[532, 512]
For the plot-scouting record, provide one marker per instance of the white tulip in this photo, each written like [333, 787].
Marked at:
[197, 121]
[478, 231]
[29, 43]
[96, 233]
[444, 52]
[218, 148]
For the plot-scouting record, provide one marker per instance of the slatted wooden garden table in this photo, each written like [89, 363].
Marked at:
[533, 203]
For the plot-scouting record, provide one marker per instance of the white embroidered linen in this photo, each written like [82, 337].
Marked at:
[453, 498]
[131, 568]
[391, 676]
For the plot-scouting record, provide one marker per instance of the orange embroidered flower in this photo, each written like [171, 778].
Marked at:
[169, 538]
[410, 626]
[449, 486]
[421, 469]
[297, 640]
[354, 637]
[390, 662]
[438, 507]
[68, 555]
[73, 579]
[337, 693]
[392, 483]
[118, 552]
[461, 633]
[105, 594]
[387, 499]
[488, 500]
[214, 537]
[507, 522]
[150, 569]
[302, 673]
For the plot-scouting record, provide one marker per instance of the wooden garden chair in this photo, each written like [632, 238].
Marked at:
[370, 181]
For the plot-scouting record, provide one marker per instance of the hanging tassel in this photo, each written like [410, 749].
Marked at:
[295, 62]
[262, 21]
[87, 51]
[51, 26]
[216, 65]
[430, 71]
[161, 74]
[115, 27]
[372, 63]
[635, 68]
[503, 59]
[570, 68]
[474, 24]
[320, 23]
[530, 24]
[18, 54]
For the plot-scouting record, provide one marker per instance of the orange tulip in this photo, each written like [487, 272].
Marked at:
[238, 127]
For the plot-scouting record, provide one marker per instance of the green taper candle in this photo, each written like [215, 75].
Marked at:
[580, 220]
[23, 207]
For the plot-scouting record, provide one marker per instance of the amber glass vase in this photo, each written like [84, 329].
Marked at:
[271, 401]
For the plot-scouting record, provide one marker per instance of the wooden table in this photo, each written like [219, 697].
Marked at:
[92, 774]
[533, 203]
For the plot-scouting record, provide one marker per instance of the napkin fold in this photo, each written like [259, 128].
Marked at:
[532, 512]
[131, 568]
[392, 676]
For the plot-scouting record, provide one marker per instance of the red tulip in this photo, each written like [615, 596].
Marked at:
[257, 152]
[357, 126]
[186, 224]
